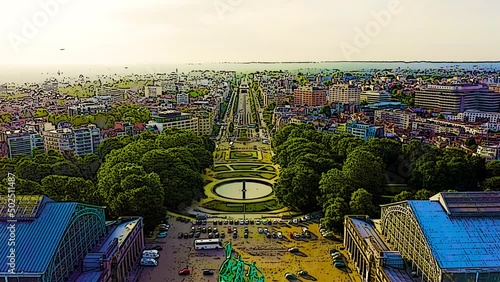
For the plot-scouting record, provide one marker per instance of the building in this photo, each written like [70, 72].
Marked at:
[364, 131]
[372, 97]
[152, 91]
[57, 236]
[82, 246]
[475, 115]
[402, 119]
[115, 256]
[452, 237]
[458, 98]
[20, 142]
[83, 140]
[372, 257]
[344, 94]
[182, 98]
[488, 152]
[87, 109]
[309, 96]
[174, 119]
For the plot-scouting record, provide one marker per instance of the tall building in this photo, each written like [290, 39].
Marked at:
[344, 94]
[66, 241]
[20, 142]
[152, 91]
[309, 96]
[373, 97]
[81, 141]
[182, 98]
[458, 98]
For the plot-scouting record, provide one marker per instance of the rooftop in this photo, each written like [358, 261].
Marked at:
[120, 232]
[32, 236]
[470, 203]
[459, 241]
[368, 232]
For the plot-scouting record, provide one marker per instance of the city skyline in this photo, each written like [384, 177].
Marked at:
[147, 32]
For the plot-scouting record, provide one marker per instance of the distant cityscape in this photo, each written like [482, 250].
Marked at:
[117, 167]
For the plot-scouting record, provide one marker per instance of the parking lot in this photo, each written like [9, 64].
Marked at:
[270, 254]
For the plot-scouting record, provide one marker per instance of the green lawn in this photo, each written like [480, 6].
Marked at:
[243, 155]
[268, 168]
[238, 174]
[269, 205]
[221, 168]
[245, 167]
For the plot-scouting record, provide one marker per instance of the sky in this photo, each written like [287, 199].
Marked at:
[122, 32]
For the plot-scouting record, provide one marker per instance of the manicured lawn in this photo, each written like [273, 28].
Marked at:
[245, 167]
[221, 168]
[243, 155]
[268, 168]
[269, 205]
[238, 174]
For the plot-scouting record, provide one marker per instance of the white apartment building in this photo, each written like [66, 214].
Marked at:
[344, 93]
[375, 97]
[473, 115]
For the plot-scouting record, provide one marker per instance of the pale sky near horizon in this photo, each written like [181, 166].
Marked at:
[189, 31]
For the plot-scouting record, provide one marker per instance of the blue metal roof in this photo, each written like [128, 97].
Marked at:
[36, 240]
[459, 242]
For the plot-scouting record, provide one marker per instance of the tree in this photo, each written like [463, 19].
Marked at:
[326, 110]
[333, 185]
[361, 203]
[423, 194]
[297, 188]
[403, 196]
[364, 170]
[69, 189]
[492, 184]
[334, 214]
[493, 168]
[231, 128]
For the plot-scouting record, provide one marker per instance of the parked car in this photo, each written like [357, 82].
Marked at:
[161, 235]
[148, 262]
[302, 273]
[208, 272]
[247, 221]
[180, 235]
[186, 235]
[257, 221]
[280, 235]
[290, 276]
[235, 235]
[339, 264]
[184, 271]
[260, 230]
[245, 235]
[223, 235]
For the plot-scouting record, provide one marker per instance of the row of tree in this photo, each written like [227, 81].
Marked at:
[139, 175]
[104, 120]
[342, 174]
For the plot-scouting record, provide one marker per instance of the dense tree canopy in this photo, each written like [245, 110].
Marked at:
[139, 175]
[346, 174]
